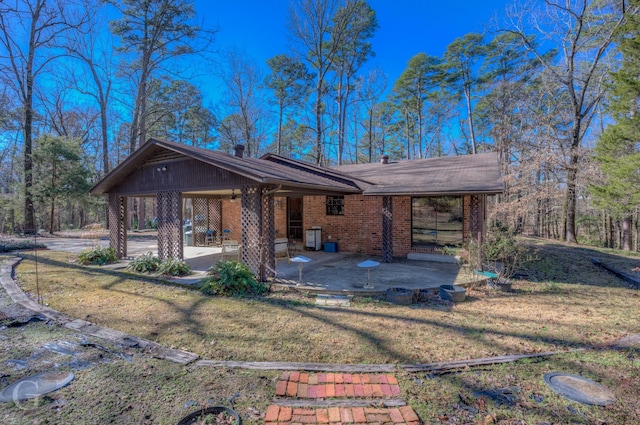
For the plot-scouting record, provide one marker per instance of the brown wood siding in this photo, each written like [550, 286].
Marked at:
[183, 175]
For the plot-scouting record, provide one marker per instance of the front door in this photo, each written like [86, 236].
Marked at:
[294, 218]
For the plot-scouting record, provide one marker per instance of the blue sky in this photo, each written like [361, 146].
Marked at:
[407, 27]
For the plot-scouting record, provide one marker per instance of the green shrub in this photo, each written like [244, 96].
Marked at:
[174, 267]
[231, 278]
[97, 256]
[8, 246]
[502, 246]
[145, 263]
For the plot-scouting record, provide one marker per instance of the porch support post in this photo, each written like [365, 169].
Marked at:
[170, 244]
[268, 245]
[199, 220]
[214, 206]
[251, 223]
[118, 224]
[476, 225]
[387, 229]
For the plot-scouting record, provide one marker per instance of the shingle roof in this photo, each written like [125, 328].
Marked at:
[463, 174]
[259, 170]
[456, 175]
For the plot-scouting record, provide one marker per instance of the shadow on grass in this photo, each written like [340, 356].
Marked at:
[561, 263]
[189, 317]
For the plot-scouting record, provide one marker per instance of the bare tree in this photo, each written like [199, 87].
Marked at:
[318, 41]
[583, 32]
[94, 51]
[32, 33]
[242, 80]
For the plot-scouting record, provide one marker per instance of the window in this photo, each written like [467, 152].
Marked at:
[335, 205]
[436, 220]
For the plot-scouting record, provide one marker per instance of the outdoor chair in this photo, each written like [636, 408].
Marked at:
[282, 249]
[210, 237]
[230, 250]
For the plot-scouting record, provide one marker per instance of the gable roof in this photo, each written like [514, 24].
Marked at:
[465, 174]
[305, 176]
[462, 174]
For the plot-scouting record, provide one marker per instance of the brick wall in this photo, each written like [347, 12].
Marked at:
[358, 230]
[231, 218]
[280, 219]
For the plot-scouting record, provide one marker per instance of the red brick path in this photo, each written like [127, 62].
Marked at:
[329, 385]
[301, 385]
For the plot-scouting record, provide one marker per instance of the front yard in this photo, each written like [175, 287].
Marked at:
[564, 302]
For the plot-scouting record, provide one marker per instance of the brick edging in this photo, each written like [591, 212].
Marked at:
[78, 325]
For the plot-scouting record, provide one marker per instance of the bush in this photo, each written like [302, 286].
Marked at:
[97, 256]
[174, 267]
[8, 246]
[231, 278]
[502, 246]
[146, 263]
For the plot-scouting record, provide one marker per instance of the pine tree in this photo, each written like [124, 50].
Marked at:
[618, 150]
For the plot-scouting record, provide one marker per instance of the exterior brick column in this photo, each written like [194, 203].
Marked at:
[118, 224]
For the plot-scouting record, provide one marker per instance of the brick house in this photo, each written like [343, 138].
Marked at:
[389, 209]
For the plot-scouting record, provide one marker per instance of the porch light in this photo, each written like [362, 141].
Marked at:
[233, 197]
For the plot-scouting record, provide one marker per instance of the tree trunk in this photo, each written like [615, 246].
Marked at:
[318, 110]
[626, 233]
[472, 133]
[280, 113]
[571, 199]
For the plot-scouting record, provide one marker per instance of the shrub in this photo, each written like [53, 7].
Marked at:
[231, 278]
[174, 267]
[97, 256]
[145, 263]
[8, 246]
[502, 246]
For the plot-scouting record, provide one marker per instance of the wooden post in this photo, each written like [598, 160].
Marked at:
[118, 224]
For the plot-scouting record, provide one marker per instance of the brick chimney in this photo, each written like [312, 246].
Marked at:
[384, 159]
[239, 150]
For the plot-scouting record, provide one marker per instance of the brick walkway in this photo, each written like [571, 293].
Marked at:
[342, 388]
[329, 385]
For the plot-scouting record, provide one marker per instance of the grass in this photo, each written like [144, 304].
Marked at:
[539, 316]
[564, 302]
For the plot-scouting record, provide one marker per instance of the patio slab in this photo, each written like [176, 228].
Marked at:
[327, 272]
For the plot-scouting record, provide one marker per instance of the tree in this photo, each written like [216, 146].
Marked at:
[94, 52]
[412, 89]
[155, 33]
[319, 41]
[359, 22]
[31, 34]
[242, 80]
[583, 32]
[369, 89]
[60, 173]
[460, 60]
[290, 82]
[618, 149]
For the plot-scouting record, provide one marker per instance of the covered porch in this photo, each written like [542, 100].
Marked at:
[169, 173]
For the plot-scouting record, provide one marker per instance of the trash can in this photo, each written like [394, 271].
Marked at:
[330, 247]
[188, 238]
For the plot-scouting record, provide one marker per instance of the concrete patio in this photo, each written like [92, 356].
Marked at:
[336, 273]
